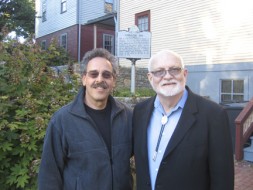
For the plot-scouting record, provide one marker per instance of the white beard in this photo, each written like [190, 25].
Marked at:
[173, 91]
[169, 91]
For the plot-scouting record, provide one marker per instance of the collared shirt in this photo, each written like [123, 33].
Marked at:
[154, 129]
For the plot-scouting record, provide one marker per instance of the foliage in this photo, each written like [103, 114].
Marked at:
[30, 92]
[140, 92]
[57, 55]
[18, 16]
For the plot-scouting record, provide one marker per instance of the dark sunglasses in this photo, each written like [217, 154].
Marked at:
[105, 74]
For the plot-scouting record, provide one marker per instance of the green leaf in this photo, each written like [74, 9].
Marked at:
[22, 180]
[18, 176]
[22, 113]
[29, 94]
[13, 126]
[6, 146]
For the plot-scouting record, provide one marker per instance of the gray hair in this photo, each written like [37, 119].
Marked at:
[100, 52]
[160, 55]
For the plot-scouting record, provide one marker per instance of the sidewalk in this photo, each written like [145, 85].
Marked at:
[243, 175]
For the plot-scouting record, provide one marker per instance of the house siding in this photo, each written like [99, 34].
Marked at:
[203, 32]
[87, 39]
[78, 12]
[87, 35]
[55, 19]
[87, 42]
[205, 79]
[91, 9]
[88, 10]
[72, 39]
[101, 31]
[215, 39]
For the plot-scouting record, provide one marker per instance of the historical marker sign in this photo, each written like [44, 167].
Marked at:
[134, 45]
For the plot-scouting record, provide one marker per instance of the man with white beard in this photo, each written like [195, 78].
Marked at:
[181, 140]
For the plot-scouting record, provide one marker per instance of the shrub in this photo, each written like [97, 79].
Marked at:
[29, 94]
[56, 55]
[140, 92]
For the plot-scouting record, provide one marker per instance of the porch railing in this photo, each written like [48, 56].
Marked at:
[244, 129]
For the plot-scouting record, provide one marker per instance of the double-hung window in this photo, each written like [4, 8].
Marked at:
[142, 20]
[43, 44]
[63, 41]
[232, 90]
[44, 11]
[108, 6]
[108, 42]
[63, 6]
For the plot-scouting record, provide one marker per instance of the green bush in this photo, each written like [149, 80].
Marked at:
[30, 92]
[56, 55]
[139, 92]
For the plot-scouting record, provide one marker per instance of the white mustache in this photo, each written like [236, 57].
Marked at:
[168, 82]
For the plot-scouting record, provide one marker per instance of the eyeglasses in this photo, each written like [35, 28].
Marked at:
[105, 74]
[172, 71]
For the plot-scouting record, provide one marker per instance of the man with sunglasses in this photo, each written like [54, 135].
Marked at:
[88, 143]
[181, 140]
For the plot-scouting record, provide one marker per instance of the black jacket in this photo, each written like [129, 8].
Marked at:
[199, 155]
[75, 155]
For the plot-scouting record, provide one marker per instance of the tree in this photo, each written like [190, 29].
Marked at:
[18, 16]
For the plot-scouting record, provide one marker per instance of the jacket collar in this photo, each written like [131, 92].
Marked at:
[185, 122]
[77, 107]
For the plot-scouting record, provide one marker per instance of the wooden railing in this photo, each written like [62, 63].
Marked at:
[244, 129]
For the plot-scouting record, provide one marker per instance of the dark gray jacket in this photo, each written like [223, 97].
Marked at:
[75, 155]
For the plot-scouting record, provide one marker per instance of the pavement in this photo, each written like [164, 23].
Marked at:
[243, 175]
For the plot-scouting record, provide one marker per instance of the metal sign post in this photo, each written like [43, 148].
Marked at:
[133, 60]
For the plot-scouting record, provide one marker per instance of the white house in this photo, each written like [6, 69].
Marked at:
[77, 25]
[215, 38]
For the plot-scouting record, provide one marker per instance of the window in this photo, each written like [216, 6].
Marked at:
[108, 6]
[63, 6]
[108, 42]
[43, 45]
[232, 90]
[44, 11]
[142, 20]
[63, 41]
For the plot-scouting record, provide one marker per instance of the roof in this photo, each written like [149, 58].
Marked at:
[107, 19]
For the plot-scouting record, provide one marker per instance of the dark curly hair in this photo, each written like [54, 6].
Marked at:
[100, 52]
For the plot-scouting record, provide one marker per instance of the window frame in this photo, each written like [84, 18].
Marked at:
[63, 5]
[141, 15]
[44, 11]
[65, 46]
[232, 94]
[43, 44]
[111, 41]
[108, 6]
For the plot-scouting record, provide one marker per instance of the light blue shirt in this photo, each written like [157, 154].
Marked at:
[154, 130]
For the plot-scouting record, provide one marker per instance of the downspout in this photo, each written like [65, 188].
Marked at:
[116, 21]
[79, 31]
[95, 36]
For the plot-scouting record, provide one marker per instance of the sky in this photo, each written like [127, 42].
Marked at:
[12, 35]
